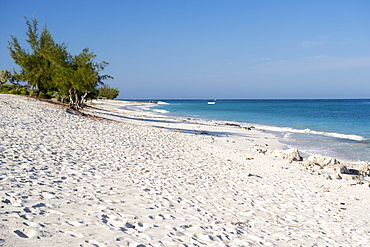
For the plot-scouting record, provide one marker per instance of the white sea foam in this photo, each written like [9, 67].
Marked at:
[162, 103]
[161, 111]
[303, 131]
[309, 131]
[140, 107]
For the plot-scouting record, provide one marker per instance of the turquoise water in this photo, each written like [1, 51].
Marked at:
[337, 128]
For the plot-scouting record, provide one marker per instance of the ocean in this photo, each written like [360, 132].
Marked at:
[336, 128]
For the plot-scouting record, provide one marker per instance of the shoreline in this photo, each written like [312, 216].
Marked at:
[357, 144]
[130, 178]
[274, 130]
[255, 135]
[258, 138]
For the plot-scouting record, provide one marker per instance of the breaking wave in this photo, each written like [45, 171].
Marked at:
[314, 132]
[161, 111]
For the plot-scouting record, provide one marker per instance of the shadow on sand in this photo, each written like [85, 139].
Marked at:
[168, 121]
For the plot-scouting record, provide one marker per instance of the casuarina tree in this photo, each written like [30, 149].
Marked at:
[50, 67]
[36, 69]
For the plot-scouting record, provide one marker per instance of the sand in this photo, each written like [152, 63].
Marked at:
[127, 178]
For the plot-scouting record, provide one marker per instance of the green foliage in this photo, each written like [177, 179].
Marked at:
[48, 67]
[6, 88]
[12, 89]
[5, 76]
[50, 95]
[47, 95]
[78, 75]
[108, 92]
[35, 66]
[24, 92]
[42, 95]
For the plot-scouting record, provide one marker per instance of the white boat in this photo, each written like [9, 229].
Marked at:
[211, 103]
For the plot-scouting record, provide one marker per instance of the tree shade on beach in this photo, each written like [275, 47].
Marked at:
[50, 67]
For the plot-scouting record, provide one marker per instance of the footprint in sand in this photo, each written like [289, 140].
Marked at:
[26, 233]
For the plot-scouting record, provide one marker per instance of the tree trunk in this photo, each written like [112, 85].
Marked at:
[77, 103]
[83, 97]
[37, 88]
[71, 102]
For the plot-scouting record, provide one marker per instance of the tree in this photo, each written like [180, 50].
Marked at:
[78, 75]
[36, 68]
[49, 66]
[108, 92]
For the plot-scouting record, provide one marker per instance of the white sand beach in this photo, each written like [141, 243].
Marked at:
[126, 178]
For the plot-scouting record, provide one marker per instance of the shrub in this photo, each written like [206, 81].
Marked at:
[66, 99]
[42, 95]
[6, 87]
[108, 92]
[24, 92]
[49, 95]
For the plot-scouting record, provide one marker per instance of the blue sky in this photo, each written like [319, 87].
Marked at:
[211, 48]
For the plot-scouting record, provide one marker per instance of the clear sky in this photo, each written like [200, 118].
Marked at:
[160, 49]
